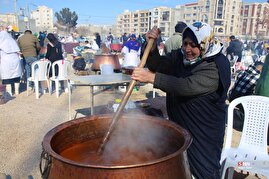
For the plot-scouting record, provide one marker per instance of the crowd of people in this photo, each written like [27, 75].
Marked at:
[18, 53]
[194, 69]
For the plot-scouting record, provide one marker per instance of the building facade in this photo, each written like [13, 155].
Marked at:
[255, 20]
[8, 19]
[43, 17]
[221, 15]
[231, 17]
[139, 22]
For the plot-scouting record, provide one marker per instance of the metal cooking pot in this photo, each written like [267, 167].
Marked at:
[156, 149]
[106, 59]
[116, 47]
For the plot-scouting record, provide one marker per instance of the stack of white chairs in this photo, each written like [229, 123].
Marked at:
[39, 72]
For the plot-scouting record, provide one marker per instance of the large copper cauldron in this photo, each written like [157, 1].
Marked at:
[140, 147]
[106, 59]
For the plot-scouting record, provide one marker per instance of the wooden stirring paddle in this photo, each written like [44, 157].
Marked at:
[125, 98]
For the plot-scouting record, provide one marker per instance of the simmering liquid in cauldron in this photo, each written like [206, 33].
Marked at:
[84, 153]
[125, 147]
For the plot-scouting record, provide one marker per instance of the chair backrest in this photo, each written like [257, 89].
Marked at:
[40, 70]
[63, 68]
[255, 128]
[106, 69]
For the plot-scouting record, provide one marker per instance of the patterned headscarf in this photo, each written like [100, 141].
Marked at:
[209, 45]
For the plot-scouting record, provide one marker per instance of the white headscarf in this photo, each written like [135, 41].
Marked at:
[7, 43]
[209, 45]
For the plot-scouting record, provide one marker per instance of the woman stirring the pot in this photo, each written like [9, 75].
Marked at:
[196, 80]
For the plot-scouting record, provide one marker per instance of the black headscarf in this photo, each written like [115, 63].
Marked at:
[51, 37]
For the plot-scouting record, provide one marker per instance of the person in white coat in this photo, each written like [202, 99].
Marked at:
[10, 65]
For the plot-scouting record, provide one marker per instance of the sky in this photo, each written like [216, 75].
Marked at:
[95, 11]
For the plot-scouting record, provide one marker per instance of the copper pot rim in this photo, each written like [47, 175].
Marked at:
[48, 137]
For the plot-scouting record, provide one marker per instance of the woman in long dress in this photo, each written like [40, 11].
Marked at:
[10, 65]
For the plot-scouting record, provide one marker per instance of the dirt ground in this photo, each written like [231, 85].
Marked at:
[25, 120]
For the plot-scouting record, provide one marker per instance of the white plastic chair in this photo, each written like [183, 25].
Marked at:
[40, 72]
[106, 69]
[63, 68]
[251, 154]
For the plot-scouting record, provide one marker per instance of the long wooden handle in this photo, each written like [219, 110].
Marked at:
[126, 96]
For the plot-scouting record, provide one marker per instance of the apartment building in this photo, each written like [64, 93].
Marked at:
[139, 22]
[123, 23]
[231, 17]
[165, 18]
[8, 20]
[253, 23]
[43, 17]
[17, 22]
[221, 15]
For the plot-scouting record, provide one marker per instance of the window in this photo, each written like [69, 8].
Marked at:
[165, 16]
[162, 29]
[220, 30]
[220, 23]
[207, 6]
[219, 9]
[188, 15]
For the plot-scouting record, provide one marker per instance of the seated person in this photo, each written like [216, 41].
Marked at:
[79, 62]
[246, 81]
[244, 85]
[87, 45]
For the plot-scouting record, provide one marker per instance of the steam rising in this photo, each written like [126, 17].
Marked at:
[136, 141]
